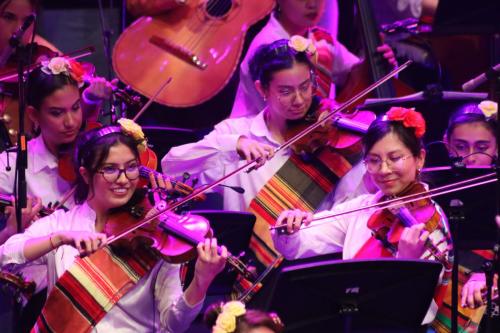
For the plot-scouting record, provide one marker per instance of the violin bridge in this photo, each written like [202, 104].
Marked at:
[178, 51]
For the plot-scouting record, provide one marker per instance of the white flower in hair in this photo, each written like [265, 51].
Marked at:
[55, 66]
[301, 44]
[489, 109]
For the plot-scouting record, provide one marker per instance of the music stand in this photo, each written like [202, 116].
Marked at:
[233, 230]
[383, 295]
[478, 228]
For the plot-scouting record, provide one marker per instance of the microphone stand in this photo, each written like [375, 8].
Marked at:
[20, 190]
[491, 267]
[20, 186]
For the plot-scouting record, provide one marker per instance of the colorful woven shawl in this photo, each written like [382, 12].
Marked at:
[91, 287]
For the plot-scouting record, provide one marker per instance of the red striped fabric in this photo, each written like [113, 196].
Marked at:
[91, 287]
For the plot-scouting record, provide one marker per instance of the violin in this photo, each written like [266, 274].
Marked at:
[5, 200]
[179, 188]
[174, 236]
[19, 286]
[388, 224]
[343, 132]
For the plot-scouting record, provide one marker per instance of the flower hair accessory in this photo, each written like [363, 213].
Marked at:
[489, 109]
[301, 44]
[226, 320]
[132, 129]
[409, 117]
[61, 65]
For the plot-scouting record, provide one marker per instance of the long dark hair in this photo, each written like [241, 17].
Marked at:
[92, 149]
[380, 128]
[274, 57]
[41, 85]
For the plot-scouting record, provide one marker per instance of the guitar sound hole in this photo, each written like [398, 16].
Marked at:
[218, 8]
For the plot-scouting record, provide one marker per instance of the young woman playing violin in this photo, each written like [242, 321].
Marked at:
[144, 293]
[298, 17]
[284, 77]
[393, 154]
[58, 111]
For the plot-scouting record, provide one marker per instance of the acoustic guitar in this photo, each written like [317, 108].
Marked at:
[199, 45]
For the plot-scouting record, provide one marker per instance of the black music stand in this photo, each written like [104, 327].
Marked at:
[232, 229]
[383, 295]
[477, 230]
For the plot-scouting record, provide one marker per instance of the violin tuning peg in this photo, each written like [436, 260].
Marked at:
[185, 176]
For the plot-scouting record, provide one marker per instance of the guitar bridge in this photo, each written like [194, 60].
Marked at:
[179, 51]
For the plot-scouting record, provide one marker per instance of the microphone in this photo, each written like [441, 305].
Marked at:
[15, 39]
[480, 79]
[237, 189]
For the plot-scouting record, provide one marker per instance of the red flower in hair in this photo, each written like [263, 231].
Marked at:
[77, 71]
[409, 118]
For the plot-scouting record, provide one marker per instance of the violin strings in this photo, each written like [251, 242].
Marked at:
[401, 201]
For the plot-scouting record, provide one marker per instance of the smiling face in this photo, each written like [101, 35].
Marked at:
[59, 117]
[391, 165]
[290, 92]
[473, 141]
[105, 193]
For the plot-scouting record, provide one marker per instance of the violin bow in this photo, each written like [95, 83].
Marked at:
[251, 165]
[397, 202]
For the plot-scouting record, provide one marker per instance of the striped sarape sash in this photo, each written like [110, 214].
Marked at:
[297, 185]
[468, 319]
[324, 65]
[86, 292]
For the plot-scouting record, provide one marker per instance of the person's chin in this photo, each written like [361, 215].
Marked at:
[120, 199]
[389, 188]
[68, 137]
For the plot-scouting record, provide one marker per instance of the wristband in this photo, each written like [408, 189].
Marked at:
[51, 243]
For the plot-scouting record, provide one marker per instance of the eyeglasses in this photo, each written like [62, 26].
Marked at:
[287, 96]
[112, 173]
[373, 164]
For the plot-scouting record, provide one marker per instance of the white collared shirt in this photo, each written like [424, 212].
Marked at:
[215, 156]
[156, 303]
[42, 175]
[248, 101]
[43, 181]
[346, 233]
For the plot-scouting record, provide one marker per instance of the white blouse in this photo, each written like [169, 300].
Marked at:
[346, 233]
[215, 156]
[42, 175]
[155, 304]
[248, 101]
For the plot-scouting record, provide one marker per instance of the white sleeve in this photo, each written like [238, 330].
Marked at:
[343, 61]
[12, 251]
[176, 315]
[211, 153]
[328, 237]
